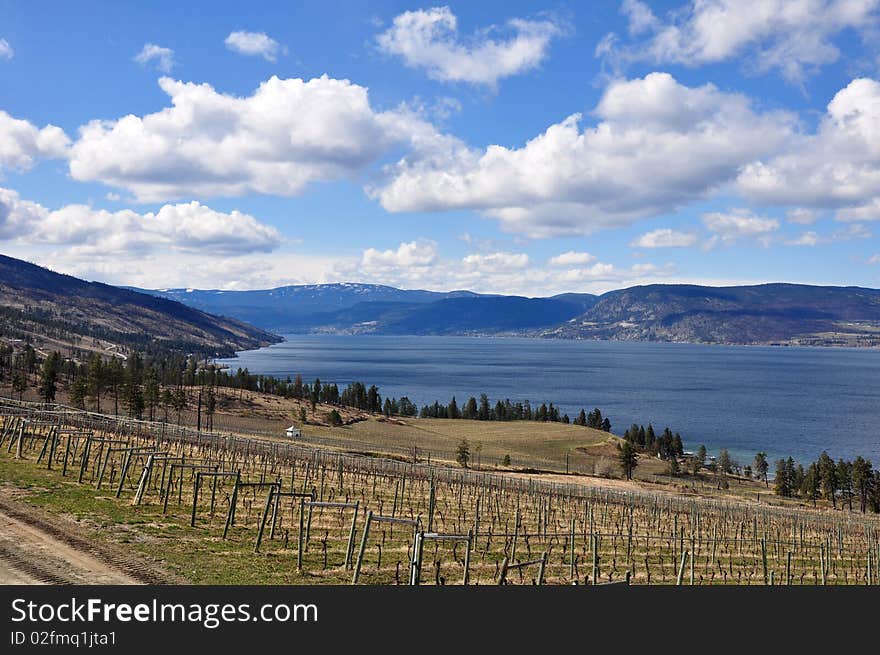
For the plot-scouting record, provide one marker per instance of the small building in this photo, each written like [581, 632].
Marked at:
[294, 432]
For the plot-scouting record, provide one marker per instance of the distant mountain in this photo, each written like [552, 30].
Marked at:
[292, 308]
[41, 306]
[762, 314]
[789, 314]
[451, 316]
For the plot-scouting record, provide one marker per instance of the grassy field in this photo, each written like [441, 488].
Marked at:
[585, 533]
[535, 447]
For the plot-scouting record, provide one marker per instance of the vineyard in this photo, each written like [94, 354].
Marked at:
[328, 517]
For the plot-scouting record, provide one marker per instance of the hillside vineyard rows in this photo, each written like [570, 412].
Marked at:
[334, 518]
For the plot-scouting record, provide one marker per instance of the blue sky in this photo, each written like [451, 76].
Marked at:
[516, 147]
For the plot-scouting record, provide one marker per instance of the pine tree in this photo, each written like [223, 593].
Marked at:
[677, 445]
[334, 418]
[96, 380]
[628, 458]
[761, 467]
[49, 377]
[19, 383]
[210, 407]
[79, 390]
[781, 481]
[151, 390]
[581, 419]
[827, 478]
[484, 412]
[863, 479]
[844, 476]
[810, 486]
[470, 409]
[725, 463]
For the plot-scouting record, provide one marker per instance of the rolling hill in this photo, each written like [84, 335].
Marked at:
[791, 314]
[450, 316]
[293, 308]
[57, 310]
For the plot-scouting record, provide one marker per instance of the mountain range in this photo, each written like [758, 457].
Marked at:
[35, 301]
[790, 314]
[58, 311]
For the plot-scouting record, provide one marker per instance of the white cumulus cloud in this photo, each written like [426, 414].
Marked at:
[254, 44]
[6, 51]
[187, 227]
[664, 238]
[737, 224]
[658, 145]
[571, 258]
[420, 265]
[429, 39]
[421, 252]
[794, 37]
[163, 57]
[286, 135]
[837, 167]
[22, 143]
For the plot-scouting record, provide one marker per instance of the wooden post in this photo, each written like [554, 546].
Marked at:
[230, 515]
[416, 572]
[196, 484]
[541, 568]
[66, 455]
[299, 556]
[142, 483]
[595, 547]
[18, 451]
[349, 550]
[263, 520]
[502, 574]
[126, 462]
[788, 568]
[213, 494]
[684, 557]
[360, 557]
[275, 513]
[467, 558]
[477, 519]
[53, 446]
[431, 501]
[45, 448]
[515, 535]
[571, 546]
[691, 560]
[85, 459]
[764, 559]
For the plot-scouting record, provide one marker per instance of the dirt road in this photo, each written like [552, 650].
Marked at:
[35, 549]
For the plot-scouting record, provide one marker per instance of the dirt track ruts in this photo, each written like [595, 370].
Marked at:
[43, 550]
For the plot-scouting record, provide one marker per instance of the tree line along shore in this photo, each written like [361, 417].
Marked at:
[155, 387]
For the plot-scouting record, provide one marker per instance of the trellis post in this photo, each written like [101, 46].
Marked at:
[360, 557]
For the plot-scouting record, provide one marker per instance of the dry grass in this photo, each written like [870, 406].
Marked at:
[585, 532]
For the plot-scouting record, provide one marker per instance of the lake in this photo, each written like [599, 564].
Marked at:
[785, 401]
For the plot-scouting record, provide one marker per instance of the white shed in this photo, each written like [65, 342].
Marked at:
[294, 432]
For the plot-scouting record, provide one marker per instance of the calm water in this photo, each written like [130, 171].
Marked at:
[786, 401]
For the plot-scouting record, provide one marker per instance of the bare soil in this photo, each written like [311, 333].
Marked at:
[36, 549]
